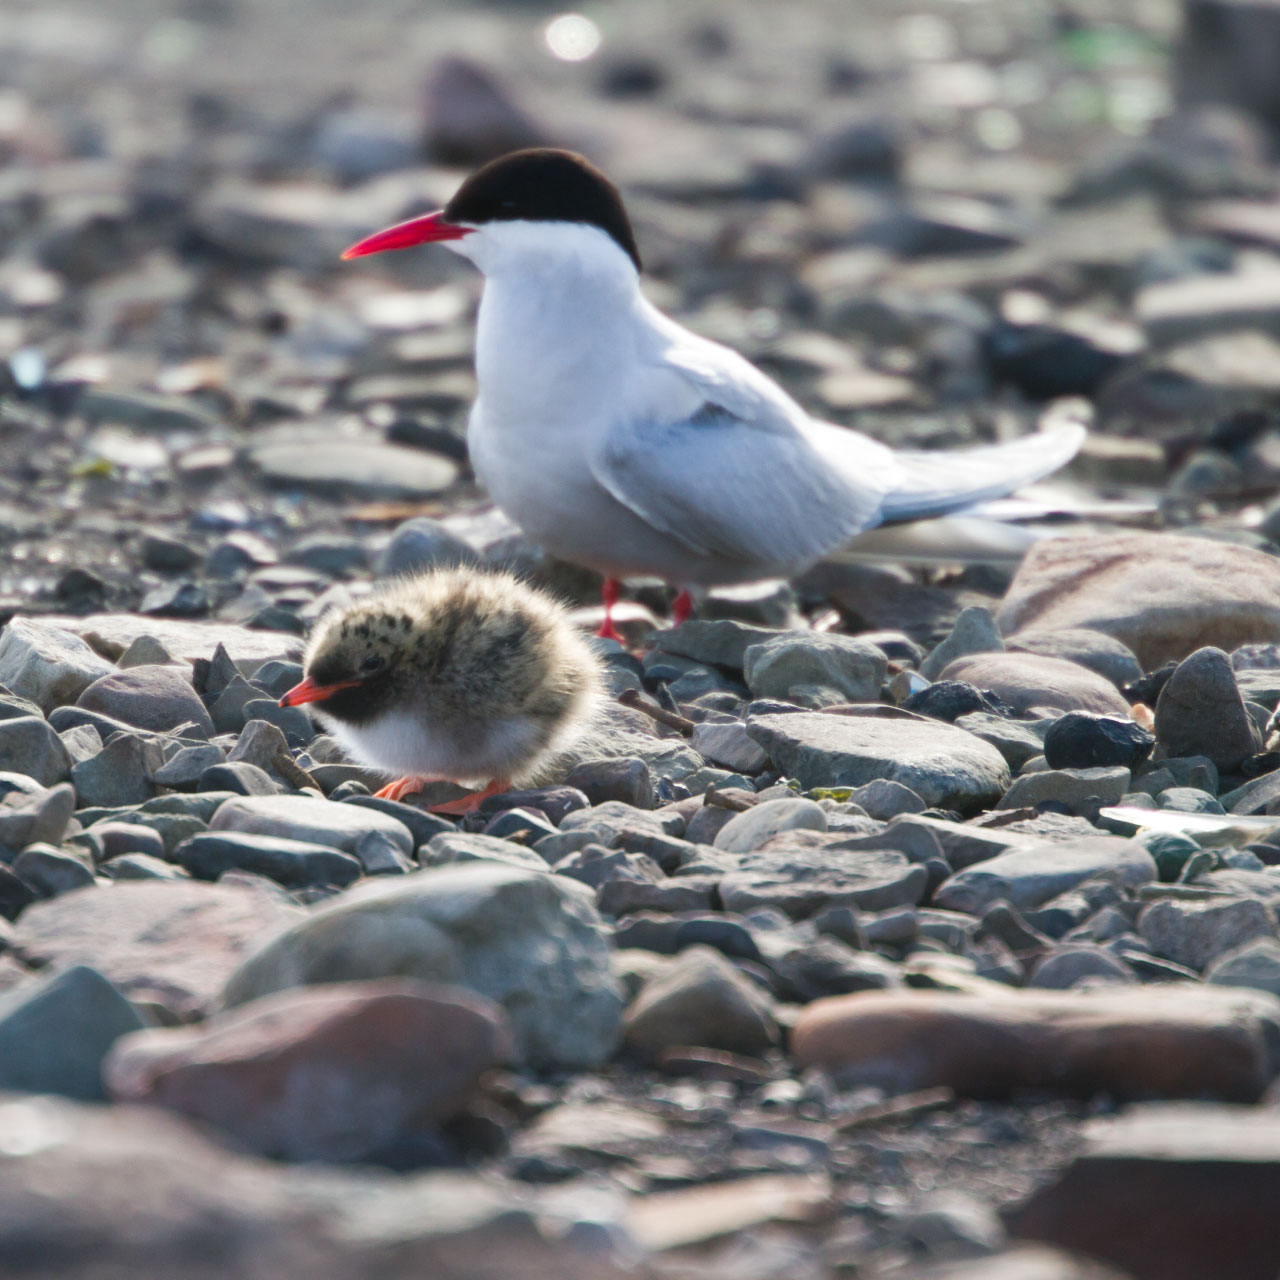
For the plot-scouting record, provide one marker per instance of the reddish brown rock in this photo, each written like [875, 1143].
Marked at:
[168, 940]
[1170, 1192]
[1026, 680]
[1161, 594]
[332, 1073]
[1171, 1041]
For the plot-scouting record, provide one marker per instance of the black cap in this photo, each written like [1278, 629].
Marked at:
[544, 185]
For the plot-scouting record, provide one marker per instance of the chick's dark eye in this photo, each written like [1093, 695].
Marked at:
[371, 664]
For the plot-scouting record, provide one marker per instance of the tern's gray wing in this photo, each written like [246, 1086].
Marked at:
[746, 475]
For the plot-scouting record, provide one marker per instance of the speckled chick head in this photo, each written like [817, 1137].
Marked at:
[455, 672]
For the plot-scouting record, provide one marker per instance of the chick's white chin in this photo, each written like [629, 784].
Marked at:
[401, 744]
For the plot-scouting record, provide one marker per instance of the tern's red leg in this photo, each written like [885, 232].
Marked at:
[469, 804]
[609, 597]
[681, 608]
[402, 787]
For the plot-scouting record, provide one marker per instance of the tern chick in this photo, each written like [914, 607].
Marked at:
[618, 439]
[453, 674]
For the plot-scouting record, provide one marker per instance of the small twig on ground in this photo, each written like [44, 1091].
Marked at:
[631, 698]
[901, 1107]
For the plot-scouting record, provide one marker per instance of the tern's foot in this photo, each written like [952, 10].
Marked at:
[607, 631]
[681, 608]
[469, 804]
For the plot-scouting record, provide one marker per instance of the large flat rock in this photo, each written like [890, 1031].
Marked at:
[1170, 1041]
[945, 766]
[1170, 1192]
[1162, 595]
[110, 634]
[1029, 877]
[169, 940]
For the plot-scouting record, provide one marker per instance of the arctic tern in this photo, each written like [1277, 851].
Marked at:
[618, 439]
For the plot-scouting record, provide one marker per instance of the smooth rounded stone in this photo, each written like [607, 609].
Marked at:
[39, 817]
[854, 668]
[1161, 594]
[44, 663]
[1189, 800]
[945, 766]
[700, 999]
[421, 824]
[1032, 876]
[1069, 965]
[333, 1073]
[1025, 681]
[241, 777]
[1194, 932]
[1255, 964]
[884, 799]
[975, 631]
[173, 942]
[423, 543]
[55, 1032]
[533, 942]
[626, 780]
[727, 743]
[292, 863]
[31, 746]
[1082, 740]
[1093, 649]
[801, 875]
[51, 871]
[150, 697]
[719, 643]
[1200, 712]
[142, 866]
[119, 837]
[330, 465]
[185, 767]
[523, 826]
[1016, 740]
[751, 828]
[450, 847]
[1079, 790]
[313, 821]
[122, 773]
[1172, 1041]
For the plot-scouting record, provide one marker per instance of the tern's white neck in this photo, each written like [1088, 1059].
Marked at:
[558, 322]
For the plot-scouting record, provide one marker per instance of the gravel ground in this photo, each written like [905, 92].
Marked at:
[932, 925]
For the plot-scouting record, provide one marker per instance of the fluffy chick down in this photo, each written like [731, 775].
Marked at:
[455, 673]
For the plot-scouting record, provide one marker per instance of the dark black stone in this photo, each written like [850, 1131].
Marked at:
[15, 894]
[950, 699]
[1045, 362]
[1085, 740]
[1147, 689]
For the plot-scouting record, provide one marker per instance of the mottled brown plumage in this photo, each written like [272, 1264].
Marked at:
[456, 673]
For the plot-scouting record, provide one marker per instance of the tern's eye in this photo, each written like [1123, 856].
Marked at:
[371, 664]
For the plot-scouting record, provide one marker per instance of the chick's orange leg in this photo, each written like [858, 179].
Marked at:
[681, 608]
[402, 787]
[469, 804]
[609, 593]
